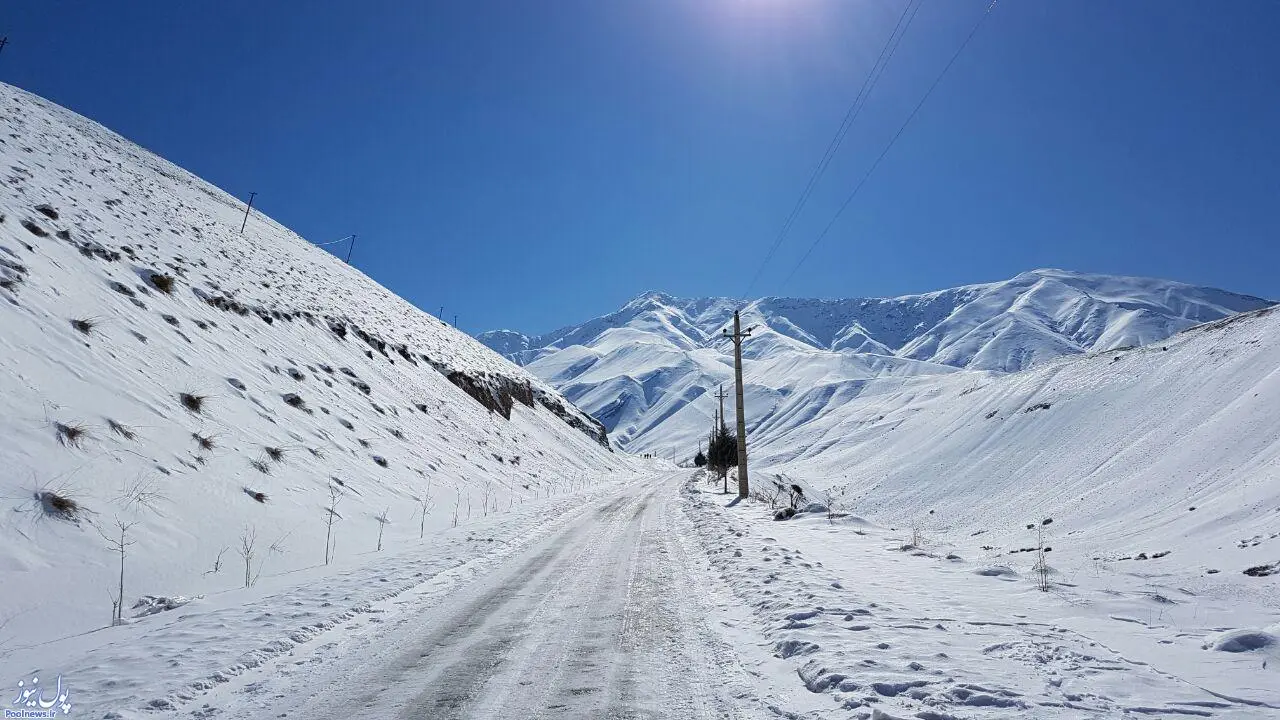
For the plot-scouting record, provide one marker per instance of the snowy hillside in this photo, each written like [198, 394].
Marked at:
[200, 386]
[648, 365]
[1159, 467]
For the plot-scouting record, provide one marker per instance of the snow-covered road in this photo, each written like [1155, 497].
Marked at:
[606, 616]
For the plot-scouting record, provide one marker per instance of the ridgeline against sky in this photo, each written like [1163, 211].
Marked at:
[525, 164]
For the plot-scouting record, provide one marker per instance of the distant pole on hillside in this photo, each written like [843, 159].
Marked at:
[3, 41]
[455, 320]
[350, 247]
[738, 336]
[720, 418]
[247, 208]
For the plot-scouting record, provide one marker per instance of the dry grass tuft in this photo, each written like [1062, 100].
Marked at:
[256, 495]
[163, 283]
[261, 466]
[123, 431]
[84, 325]
[276, 454]
[204, 442]
[71, 435]
[59, 506]
[192, 402]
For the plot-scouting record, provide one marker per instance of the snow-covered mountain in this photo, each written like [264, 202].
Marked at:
[161, 368]
[649, 364]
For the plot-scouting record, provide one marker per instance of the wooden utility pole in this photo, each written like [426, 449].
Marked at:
[247, 208]
[350, 247]
[738, 335]
[720, 421]
[3, 41]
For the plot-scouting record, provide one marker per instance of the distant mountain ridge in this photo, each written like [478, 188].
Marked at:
[637, 367]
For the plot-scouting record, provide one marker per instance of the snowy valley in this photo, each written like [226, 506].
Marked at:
[331, 503]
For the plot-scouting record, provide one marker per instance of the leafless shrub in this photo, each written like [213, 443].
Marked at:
[396, 433]
[274, 453]
[260, 465]
[204, 442]
[256, 495]
[140, 494]
[294, 400]
[84, 326]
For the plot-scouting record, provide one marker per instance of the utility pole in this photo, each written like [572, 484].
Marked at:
[738, 336]
[720, 417]
[455, 320]
[350, 247]
[247, 208]
[3, 41]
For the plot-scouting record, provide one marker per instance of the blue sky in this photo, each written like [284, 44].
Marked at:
[531, 164]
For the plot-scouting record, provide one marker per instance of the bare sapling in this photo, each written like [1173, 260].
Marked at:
[331, 516]
[275, 548]
[424, 508]
[1041, 567]
[383, 522]
[248, 541]
[457, 502]
[118, 541]
[918, 529]
[217, 563]
[484, 501]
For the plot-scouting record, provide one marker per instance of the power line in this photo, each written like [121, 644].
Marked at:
[859, 102]
[894, 139]
[334, 242]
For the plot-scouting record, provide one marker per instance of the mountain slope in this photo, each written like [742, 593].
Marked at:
[160, 368]
[674, 349]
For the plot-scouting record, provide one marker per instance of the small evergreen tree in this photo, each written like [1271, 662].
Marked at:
[699, 460]
[722, 453]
